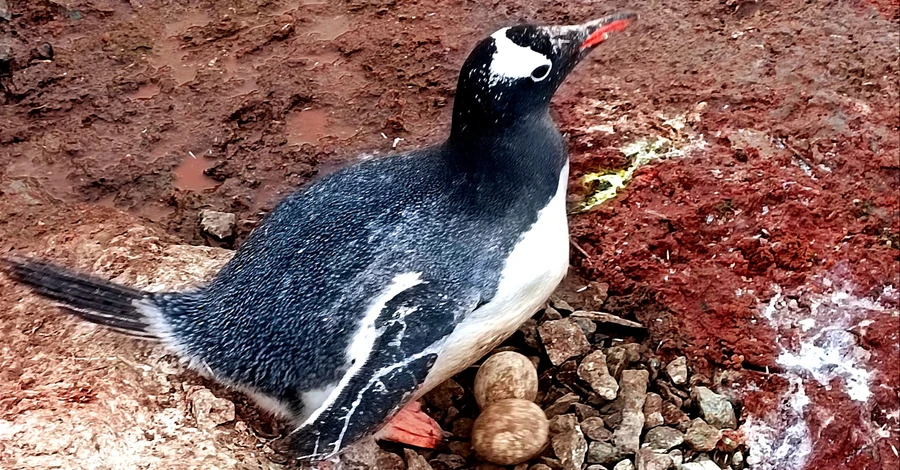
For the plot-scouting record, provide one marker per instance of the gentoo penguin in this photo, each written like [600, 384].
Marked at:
[371, 286]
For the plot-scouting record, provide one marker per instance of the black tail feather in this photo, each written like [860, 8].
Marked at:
[88, 297]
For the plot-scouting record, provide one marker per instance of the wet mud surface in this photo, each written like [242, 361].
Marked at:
[764, 247]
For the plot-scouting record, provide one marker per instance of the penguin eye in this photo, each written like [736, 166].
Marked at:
[540, 73]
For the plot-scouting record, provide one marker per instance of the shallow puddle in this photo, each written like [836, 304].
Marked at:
[189, 175]
[145, 92]
[308, 126]
[327, 29]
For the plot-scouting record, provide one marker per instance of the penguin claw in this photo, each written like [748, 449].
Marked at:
[413, 427]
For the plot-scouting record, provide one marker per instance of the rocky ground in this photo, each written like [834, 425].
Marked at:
[761, 246]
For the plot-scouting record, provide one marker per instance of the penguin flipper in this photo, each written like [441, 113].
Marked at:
[412, 329]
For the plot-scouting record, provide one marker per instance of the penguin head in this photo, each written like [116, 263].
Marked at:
[517, 69]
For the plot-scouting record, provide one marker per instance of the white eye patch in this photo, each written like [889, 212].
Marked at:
[512, 61]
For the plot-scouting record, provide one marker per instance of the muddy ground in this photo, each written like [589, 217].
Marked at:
[765, 246]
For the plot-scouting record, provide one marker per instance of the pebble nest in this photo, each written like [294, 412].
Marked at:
[612, 403]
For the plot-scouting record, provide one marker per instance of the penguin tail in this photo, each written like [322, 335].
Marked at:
[90, 298]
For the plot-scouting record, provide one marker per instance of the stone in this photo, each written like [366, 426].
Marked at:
[624, 465]
[587, 325]
[633, 393]
[584, 412]
[663, 438]
[529, 330]
[562, 423]
[729, 441]
[4, 11]
[653, 411]
[620, 357]
[209, 410]
[595, 429]
[570, 447]
[550, 313]
[677, 457]
[561, 405]
[220, 225]
[677, 370]
[461, 450]
[646, 459]
[701, 437]
[367, 455]
[672, 414]
[540, 466]
[594, 371]
[449, 461]
[445, 395]
[462, 428]
[561, 305]
[414, 461]
[595, 466]
[714, 408]
[701, 465]
[604, 453]
[563, 339]
[737, 461]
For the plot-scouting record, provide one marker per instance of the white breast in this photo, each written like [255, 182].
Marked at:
[534, 268]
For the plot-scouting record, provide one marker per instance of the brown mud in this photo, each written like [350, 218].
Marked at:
[773, 220]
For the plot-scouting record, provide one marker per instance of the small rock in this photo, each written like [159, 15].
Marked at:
[461, 450]
[714, 408]
[624, 465]
[367, 455]
[620, 357]
[653, 411]
[208, 409]
[633, 393]
[677, 370]
[4, 11]
[563, 339]
[595, 466]
[677, 457]
[414, 461]
[44, 51]
[462, 428]
[489, 466]
[663, 438]
[584, 412]
[604, 453]
[563, 423]
[701, 436]
[218, 224]
[561, 305]
[702, 465]
[561, 405]
[729, 441]
[737, 461]
[570, 447]
[595, 429]
[540, 466]
[445, 395]
[451, 461]
[672, 415]
[646, 459]
[550, 313]
[587, 325]
[530, 333]
[594, 371]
